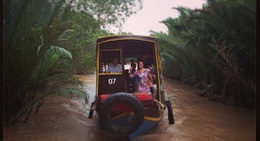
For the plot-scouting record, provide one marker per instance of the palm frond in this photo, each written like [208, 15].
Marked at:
[46, 62]
[68, 92]
[38, 100]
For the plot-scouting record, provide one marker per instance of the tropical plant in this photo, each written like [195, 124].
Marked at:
[42, 42]
[32, 60]
[214, 47]
[107, 13]
[81, 40]
[88, 19]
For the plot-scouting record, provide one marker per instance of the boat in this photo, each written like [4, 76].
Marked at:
[122, 109]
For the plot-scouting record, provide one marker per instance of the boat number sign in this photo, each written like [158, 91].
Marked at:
[111, 81]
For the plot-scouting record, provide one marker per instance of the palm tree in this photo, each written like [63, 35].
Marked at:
[214, 45]
[38, 51]
[31, 57]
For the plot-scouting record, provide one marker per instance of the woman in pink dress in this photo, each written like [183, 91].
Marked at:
[144, 82]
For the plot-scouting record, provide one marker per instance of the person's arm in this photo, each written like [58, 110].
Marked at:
[149, 75]
[130, 70]
[108, 68]
[134, 74]
[120, 67]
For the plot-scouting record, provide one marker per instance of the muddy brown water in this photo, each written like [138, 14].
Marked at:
[196, 119]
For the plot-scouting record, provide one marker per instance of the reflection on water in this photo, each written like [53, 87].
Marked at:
[196, 118]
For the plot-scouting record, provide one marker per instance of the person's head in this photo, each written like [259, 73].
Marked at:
[152, 69]
[115, 60]
[140, 64]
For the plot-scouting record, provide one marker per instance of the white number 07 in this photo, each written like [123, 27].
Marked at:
[112, 81]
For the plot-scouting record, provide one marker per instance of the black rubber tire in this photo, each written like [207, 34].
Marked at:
[118, 98]
[170, 112]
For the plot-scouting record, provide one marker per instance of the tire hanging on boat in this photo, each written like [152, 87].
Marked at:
[170, 112]
[121, 98]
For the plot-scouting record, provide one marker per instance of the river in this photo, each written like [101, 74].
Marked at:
[196, 119]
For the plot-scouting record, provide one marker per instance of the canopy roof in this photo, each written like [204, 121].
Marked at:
[112, 38]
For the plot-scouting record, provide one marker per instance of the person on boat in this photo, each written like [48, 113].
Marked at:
[133, 66]
[152, 78]
[115, 66]
[144, 83]
[133, 83]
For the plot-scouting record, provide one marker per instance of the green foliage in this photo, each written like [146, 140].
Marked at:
[46, 62]
[28, 62]
[46, 42]
[214, 45]
[30, 70]
[81, 40]
[109, 12]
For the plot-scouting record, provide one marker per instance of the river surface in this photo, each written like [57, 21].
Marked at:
[196, 119]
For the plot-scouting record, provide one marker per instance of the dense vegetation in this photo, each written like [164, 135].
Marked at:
[213, 49]
[47, 42]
